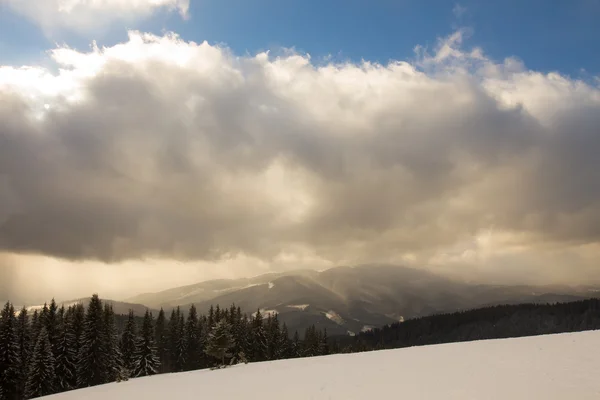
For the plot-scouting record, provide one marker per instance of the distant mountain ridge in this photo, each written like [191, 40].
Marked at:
[352, 299]
[119, 307]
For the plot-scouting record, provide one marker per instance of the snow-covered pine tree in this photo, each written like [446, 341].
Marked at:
[78, 322]
[243, 337]
[161, 339]
[218, 315]
[92, 360]
[51, 324]
[41, 376]
[65, 355]
[114, 370]
[25, 347]
[10, 361]
[324, 344]
[146, 359]
[220, 341]
[258, 339]
[296, 350]
[36, 326]
[211, 317]
[180, 345]
[171, 341]
[284, 343]
[192, 339]
[273, 337]
[128, 344]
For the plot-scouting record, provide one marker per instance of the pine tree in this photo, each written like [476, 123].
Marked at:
[324, 344]
[128, 344]
[180, 344]
[146, 358]
[51, 324]
[220, 341]
[273, 337]
[211, 317]
[65, 355]
[171, 341]
[285, 345]
[41, 377]
[192, 339]
[93, 358]
[78, 323]
[36, 326]
[258, 339]
[296, 350]
[10, 361]
[217, 313]
[114, 370]
[25, 347]
[161, 339]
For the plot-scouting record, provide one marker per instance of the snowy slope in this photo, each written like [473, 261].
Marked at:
[565, 366]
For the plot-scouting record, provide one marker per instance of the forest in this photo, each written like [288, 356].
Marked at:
[56, 349]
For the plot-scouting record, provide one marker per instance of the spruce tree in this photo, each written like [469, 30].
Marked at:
[78, 323]
[217, 313]
[93, 362]
[146, 358]
[51, 324]
[25, 347]
[192, 339]
[65, 355]
[114, 370]
[36, 326]
[41, 376]
[10, 361]
[324, 344]
[211, 317]
[285, 345]
[258, 339]
[128, 344]
[296, 350]
[180, 345]
[220, 341]
[161, 339]
[243, 337]
[171, 342]
[273, 337]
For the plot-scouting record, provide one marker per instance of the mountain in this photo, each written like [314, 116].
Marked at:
[563, 366]
[347, 300]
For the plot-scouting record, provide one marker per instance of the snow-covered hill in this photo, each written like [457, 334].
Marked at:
[564, 366]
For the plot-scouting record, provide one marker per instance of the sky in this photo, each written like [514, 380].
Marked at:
[146, 144]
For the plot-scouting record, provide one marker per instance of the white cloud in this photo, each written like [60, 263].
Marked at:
[91, 15]
[459, 10]
[164, 149]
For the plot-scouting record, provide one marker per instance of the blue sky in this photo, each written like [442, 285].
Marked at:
[559, 35]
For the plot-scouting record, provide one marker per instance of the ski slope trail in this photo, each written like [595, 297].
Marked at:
[563, 366]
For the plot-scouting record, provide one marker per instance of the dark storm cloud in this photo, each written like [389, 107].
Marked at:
[203, 156]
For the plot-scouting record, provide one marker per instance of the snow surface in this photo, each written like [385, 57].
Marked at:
[335, 317]
[298, 306]
[367, 328]
[265, 313]
[564, 366]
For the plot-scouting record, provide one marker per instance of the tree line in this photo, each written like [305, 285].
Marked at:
[57, 349]
[495, 322]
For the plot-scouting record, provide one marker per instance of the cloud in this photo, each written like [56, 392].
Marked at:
[459, 10]
[158, 148]
[91, 15]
